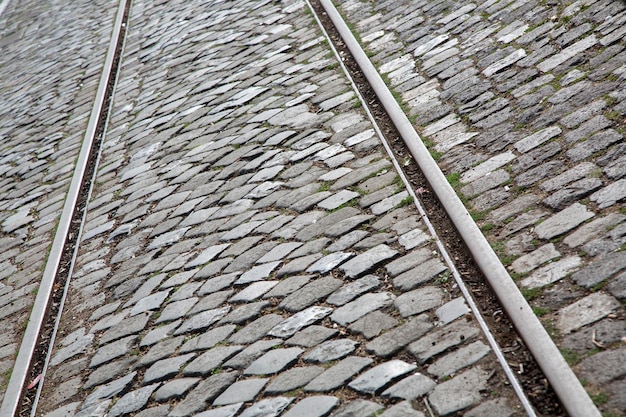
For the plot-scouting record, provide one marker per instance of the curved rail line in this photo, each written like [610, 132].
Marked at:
[39, 314]
[571, 393]
[565, 383]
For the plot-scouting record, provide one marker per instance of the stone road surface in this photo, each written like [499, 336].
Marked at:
[524, 105]
[50, 63]
[249, 248]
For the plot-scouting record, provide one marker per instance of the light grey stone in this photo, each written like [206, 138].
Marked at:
[381, 375]
[335, 376]
[132, 401]
[331, 350]
[270, 407]
[452, 310]
[315, 406]
[351, 290]
[586, 310]
[419, 300]
[299, 320]
[452, 362]
[273, 361]
[552, 272]
[367, 260]
[460, 392]
[366, 303]
[411, 387]
[563, 221]
[241, 391]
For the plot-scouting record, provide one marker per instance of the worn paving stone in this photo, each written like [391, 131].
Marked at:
[174, 389]
[458, 393]
[206, 391]
[310, 294]
[367, 260]
[331, 350]
[273, 361]
[335, 376]
[418, 301]
[311, 336]
[299, 320]
[315, 406]
[241, 391]
[132, 401]
[293, 379]
[552, 272]
[376, 378]
[267, 407]
[393, 340]
[411, 387]
[351, 290]
[461, 358]
[563, 222]
[586, 310]
[366, 303]
[166, 368]
[358, 407]
[210, 360]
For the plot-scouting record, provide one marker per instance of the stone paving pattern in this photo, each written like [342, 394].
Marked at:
[249, 249]
[50, 64]
[523, 103]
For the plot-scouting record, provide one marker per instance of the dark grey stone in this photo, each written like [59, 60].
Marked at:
[109, 390]
[161, 350]
[111, 351]
[202, 320]
[361, 306]
[452, 362]
[245, 312]
[129, 326]
[288, 286]
[225, 411]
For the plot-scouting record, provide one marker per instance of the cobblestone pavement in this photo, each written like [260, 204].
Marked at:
[49, 69]
[249, 249]
[524, 104]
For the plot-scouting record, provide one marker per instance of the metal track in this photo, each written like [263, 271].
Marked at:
[565, 383]
[39, 313]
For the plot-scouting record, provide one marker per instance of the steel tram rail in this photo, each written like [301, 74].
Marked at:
[39, 314]
[568, 388]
